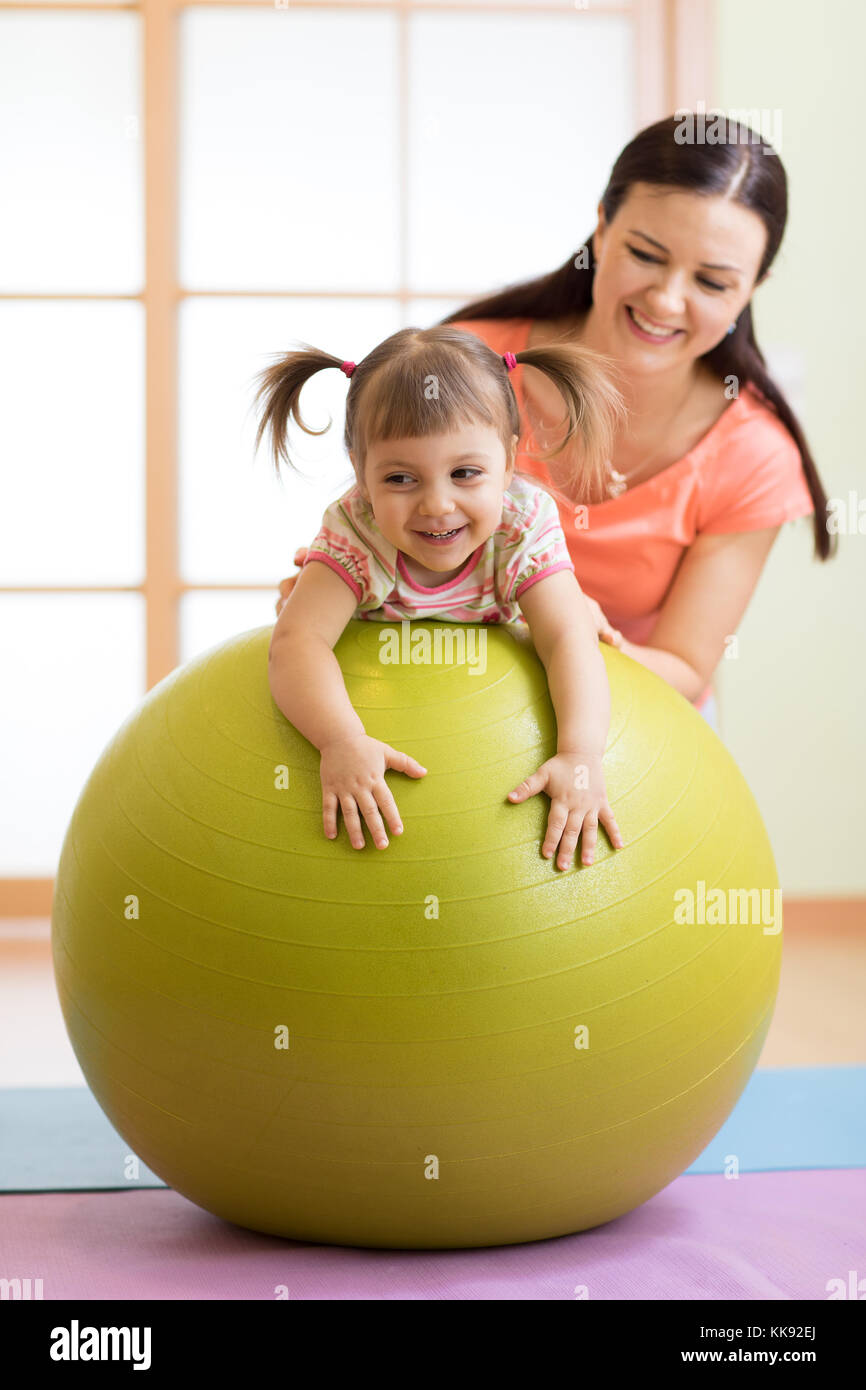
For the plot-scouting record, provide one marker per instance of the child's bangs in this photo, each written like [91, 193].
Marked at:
[426, 394]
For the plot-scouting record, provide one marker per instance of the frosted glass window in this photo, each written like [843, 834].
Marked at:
[515, 122]
[215, 616]
[288, 149]
[423, 313]
[74, 670]
[238, 522]
[72, 443]
[70, 152]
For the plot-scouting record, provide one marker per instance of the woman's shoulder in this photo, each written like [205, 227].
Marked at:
[751, 421]
[751, 473]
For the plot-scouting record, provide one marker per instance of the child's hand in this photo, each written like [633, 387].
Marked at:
[575, 785]
[353, 778]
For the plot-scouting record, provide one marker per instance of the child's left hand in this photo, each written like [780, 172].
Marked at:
[578, 801]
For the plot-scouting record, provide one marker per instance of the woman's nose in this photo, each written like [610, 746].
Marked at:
[668, 295]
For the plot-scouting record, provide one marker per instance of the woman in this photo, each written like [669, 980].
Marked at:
[712, 460]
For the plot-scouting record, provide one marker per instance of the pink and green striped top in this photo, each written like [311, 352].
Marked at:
[527, 545]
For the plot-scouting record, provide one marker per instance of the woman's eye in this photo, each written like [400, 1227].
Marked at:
[642, 256]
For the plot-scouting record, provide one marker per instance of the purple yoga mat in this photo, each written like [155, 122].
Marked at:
[780, 1235]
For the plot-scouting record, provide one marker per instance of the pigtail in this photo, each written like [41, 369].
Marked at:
[278, 396]
[595, 412]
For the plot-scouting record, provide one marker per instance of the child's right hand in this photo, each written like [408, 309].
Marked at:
[353, 779]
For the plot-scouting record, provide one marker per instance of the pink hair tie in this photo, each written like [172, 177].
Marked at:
[510, 360]
[348, 367]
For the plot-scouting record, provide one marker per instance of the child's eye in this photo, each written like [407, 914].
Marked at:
[467, 472]
[655, 260]
[398, 478]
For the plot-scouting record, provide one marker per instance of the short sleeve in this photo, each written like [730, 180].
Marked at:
[755, 482]
[343, 545]
[534, 545]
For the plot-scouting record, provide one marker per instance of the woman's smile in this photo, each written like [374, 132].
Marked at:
[649, 330]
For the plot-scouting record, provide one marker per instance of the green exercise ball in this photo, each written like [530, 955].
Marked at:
[449, 1042]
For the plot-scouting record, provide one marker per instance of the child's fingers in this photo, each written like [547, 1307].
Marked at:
[529, 787]
[590, 837]
[608, 820]
[370, 811]
[329, 814]
[556, 823]
[353, 822]
[388, 807]
[568, 843]
[612, 635]
[401, 762]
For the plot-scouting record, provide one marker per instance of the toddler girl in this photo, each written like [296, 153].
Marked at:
[438, 525]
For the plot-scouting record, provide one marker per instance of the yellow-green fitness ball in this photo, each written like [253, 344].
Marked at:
[448, 1042]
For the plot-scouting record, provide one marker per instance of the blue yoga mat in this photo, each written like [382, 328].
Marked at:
[57, 1140]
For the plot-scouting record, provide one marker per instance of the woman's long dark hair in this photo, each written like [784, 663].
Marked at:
[743, 167]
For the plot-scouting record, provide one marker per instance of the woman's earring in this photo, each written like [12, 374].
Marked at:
[732, 328]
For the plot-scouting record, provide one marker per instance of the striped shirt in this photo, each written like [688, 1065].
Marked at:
[527, 545]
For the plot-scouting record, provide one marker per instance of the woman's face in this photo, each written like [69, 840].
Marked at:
[673, 271]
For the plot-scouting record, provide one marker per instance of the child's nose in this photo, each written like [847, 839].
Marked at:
[436, 502]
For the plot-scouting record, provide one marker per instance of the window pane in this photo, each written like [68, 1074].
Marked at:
[71, 437]
[75, 670]
[238, 522]
[289, 149]
[70, 153]
[208, 618]
[514, 123]
[423, 313]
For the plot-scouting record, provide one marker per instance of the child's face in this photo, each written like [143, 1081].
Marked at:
[451, 483]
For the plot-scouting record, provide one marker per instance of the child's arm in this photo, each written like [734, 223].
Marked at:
[307, 685]
[565, 638]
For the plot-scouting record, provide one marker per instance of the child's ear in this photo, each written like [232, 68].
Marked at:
[509, 462]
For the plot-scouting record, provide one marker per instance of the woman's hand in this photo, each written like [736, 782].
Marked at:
[353, 779]
[287, 585]
[578, 800]
[606, 633]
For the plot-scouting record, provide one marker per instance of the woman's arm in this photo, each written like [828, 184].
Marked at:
[564, 635]
[703, 607]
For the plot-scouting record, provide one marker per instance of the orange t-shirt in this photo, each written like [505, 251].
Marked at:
[744, 474]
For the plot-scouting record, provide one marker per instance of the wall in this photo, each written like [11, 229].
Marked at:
[793, 699]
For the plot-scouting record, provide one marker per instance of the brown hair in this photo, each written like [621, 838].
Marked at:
[743, 167]
[424, 381]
